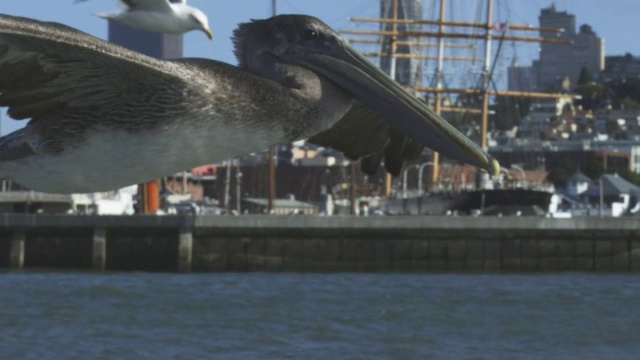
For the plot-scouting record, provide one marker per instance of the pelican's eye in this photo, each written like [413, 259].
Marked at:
[310, 34]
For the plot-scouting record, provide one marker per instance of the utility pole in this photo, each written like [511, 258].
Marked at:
[238, 188]
[392, 74]
[352, 188]
[438, 95]
[227, 187]
[271, 154]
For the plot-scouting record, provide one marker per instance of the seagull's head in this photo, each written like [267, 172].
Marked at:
[200, 22]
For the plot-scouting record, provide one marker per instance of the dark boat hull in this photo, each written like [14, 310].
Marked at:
[505, 202]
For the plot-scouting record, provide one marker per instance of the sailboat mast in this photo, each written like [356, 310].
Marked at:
[439, 84]
[438, 87]
[486, 77]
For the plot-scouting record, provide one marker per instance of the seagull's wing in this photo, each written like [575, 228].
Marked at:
[183, 2]
[149, 5]
[50, 72]
[362, 134]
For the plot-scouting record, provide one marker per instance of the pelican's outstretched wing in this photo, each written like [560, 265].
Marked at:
[49, 68]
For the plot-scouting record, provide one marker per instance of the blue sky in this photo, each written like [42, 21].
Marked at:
[616, 23]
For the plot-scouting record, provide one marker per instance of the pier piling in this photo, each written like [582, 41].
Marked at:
[99, 259]
[16, 252]
[185, 250]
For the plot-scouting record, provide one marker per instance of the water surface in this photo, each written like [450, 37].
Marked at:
[318, 316]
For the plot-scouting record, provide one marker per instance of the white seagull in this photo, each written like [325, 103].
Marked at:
[166, 16]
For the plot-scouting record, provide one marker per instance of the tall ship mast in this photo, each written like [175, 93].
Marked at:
[406, 40]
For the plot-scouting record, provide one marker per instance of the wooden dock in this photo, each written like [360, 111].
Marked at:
[319, 244]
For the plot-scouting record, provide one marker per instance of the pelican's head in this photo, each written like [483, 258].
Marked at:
[284, 46]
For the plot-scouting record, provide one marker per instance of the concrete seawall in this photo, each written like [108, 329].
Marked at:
[301, 243]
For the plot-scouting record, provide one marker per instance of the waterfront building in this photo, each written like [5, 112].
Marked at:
[407, 71]
[577, 184]
[622, 68]
[559, 65]
[542, 112]
[614, 156]
[522, 78]
[289, 206]
[615, 195]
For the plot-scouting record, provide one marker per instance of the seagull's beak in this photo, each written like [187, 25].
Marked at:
[348, 69]
[208, 32]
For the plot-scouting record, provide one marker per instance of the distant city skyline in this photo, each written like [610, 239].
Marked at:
[614, 23]
[559, 66]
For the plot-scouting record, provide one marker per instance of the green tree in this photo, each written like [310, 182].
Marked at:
[630, 176]
[509, 110]
[559, 174]
[590, 91]
[625, 93]
[594, 168]
[629, 103]
[584, 77]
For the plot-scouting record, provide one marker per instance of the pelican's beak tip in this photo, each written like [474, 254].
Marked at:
[495, 167]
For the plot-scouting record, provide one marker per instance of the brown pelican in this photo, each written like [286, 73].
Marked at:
[103, 117]
[167, 16]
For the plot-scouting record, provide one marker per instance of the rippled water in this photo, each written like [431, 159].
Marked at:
[318, 316]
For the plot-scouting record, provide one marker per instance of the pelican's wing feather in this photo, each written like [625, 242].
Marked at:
[49, 71]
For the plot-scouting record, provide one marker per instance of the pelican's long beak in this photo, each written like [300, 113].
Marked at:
[208, 32]
[351, 71]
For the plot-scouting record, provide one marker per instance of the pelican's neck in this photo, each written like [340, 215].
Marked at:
[323, 94]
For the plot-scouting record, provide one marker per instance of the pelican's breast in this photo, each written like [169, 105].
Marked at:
[129, 156]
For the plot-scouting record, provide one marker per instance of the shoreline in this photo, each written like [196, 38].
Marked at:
[319, 244]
